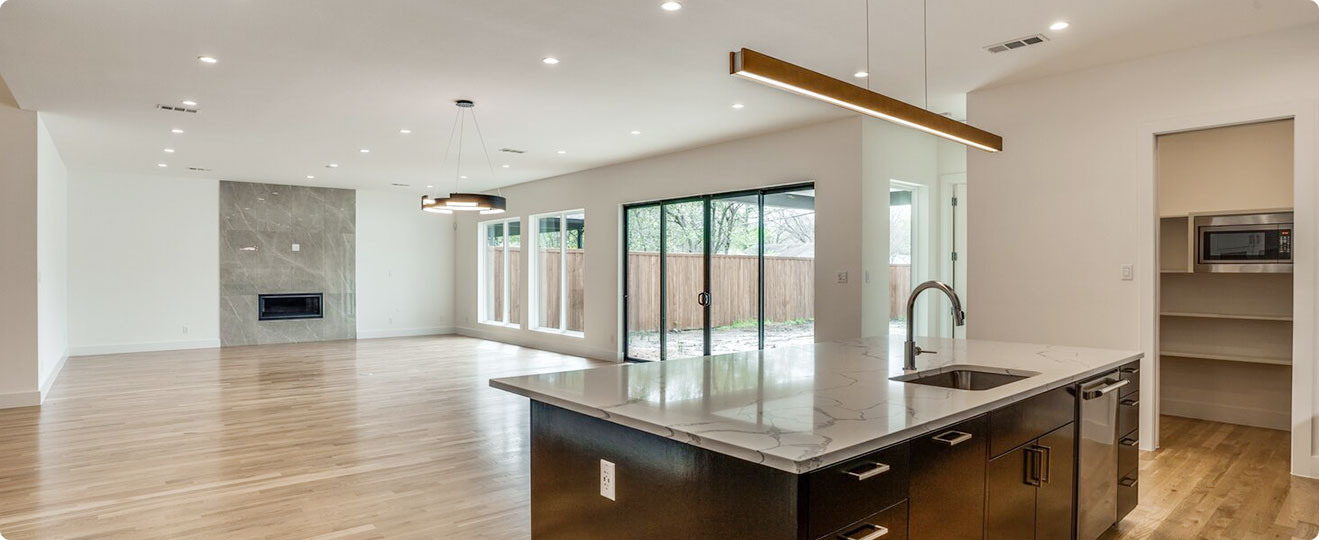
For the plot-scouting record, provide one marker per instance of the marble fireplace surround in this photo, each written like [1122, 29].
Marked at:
[260, 225]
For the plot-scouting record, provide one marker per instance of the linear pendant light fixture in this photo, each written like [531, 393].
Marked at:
[464, 202]
[766, 69]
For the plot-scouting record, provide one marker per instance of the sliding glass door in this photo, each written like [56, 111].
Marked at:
[722, 273]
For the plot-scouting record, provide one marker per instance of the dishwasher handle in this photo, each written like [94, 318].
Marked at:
[1104, 390]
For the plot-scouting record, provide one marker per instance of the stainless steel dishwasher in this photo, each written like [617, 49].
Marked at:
[1097, 487]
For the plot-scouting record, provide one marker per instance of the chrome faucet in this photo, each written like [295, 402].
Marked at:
[959, 319]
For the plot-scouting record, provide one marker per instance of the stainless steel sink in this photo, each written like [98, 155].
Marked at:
[964, 377]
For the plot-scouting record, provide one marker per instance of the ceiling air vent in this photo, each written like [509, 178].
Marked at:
[512, 151]
[1016, 43]
[199, 169]
[396, 184]
[176, 109]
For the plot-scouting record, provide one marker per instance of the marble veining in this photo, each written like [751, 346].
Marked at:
[810, 406]
[259, 224]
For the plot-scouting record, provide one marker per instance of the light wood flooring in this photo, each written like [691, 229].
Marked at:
[402, 438]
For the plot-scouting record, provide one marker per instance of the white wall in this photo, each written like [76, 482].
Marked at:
[52, 260]
[828, 154]
[405, 267]
[18, 242]
[143, 263]
[1063, 207]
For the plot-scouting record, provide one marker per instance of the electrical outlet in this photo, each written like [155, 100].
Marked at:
[842, 277]
[297, 247]
[608, 481]
[1128, 272]
[185, 328]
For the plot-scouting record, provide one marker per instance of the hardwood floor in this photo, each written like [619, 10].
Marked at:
[1220, 481]
[402, 438]
[397, 438]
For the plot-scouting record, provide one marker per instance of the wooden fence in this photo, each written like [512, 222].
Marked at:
[789, 289]
[899, 288]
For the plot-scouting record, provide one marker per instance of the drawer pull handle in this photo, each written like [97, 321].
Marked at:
[875, 531]
[1129, 482]
[952, 438]
[869, 470]
[1130, 370]
[1104, 390]
[1130, 402]
[1129, 442]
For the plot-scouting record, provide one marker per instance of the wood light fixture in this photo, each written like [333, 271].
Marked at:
[766, 69]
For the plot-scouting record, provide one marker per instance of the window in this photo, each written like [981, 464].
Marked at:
[500, 261]
[558, 272]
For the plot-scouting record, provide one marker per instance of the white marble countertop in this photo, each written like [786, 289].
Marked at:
[805, 407]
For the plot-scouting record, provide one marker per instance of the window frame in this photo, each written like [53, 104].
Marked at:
[482, 316]
[532, 246]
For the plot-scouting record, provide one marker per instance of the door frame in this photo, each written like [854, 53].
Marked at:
[706, 200]
[1304, 462]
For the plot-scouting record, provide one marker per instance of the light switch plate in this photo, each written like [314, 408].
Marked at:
[1128, 272]
[842, 277]
[608, 481]
[297, 247]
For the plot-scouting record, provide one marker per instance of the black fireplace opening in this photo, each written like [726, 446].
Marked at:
[289, 306]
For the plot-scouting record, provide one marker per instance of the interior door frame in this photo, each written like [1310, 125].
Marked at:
[707, 255]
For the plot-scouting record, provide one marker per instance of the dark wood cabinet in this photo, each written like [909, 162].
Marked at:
[947, 492]
[1029, 490]
[840, 495]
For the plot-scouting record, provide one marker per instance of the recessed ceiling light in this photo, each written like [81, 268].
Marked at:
[464, 177]
[176, 131]
[506, 165]
[429, 187]
[162, 165]
[169, 150]
[207, 59]
[738, 105]
[550, 60]
[1060, 25]
[332, 166]
[311, 177]
[365, 150]
[671, 6]
[861, 74]
[189, 103]
[405, 131]
[636, 132]
[563, 151]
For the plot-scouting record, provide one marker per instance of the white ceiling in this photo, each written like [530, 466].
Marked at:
[303, 83]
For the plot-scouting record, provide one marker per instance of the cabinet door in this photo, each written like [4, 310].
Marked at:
[947, 493]
[1010, 495]
[1053, 503]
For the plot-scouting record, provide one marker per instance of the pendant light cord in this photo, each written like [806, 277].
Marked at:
[486, 150]
[867, 44]
[449, 145]
[462, 128]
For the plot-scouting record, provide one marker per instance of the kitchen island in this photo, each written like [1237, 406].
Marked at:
[817, 441]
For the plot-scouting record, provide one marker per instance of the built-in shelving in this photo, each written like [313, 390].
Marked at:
[1228, 357]
[1235, 316]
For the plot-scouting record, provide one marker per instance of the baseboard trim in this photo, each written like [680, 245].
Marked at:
[1218, 412]
[121, 348]
[54, 374]
[404, 332]
[15, 400]
[544, 341]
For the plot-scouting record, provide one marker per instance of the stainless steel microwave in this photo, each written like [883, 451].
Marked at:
[1244, 243]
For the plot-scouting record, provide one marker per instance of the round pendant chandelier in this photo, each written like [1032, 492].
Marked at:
[464, 202]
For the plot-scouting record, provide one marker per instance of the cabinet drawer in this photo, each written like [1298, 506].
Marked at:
[1130, 372]
[856, 488]
[1128, 494]
[1128, 413]
[891, 524]
[1030, 419]
[1128, 454]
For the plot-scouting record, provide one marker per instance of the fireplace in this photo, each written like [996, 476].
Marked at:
[274, 307]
